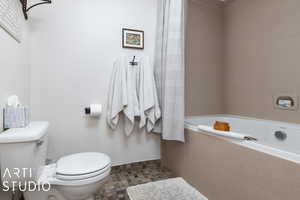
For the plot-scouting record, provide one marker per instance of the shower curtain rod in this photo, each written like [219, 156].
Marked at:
[25, 9]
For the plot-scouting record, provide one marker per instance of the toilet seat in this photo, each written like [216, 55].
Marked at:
[82, 166]
[82, 177]
[77, 170]
[81, 182]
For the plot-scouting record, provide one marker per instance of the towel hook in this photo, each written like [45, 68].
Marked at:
[133, 63]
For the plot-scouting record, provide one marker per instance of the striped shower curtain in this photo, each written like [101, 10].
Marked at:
[169, 68]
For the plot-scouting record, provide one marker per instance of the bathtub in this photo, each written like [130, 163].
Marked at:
[236, 169]
[286, 147]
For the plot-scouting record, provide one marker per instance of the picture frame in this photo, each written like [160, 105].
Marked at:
[133, 39]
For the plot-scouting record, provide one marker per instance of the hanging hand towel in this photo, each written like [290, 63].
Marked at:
[117, 96]
[122, 97]
[132, 92]
[149, 106]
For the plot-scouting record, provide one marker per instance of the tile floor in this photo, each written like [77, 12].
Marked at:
[129, 175]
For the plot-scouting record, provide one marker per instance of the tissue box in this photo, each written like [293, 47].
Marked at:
[16, 117]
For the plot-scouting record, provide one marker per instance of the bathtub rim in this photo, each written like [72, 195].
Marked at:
[294, 125]
[281, 154]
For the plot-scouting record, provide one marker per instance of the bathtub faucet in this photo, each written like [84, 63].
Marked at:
[280, 135]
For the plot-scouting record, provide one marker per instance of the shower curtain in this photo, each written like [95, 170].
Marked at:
[169, 68]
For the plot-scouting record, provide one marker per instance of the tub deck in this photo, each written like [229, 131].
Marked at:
[223, 170]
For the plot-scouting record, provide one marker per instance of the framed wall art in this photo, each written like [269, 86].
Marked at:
[133, 39]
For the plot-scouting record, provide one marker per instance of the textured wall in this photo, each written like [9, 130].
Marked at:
[205, 63]
[262, 56]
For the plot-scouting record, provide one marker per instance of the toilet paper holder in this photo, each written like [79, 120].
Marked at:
[94, 110]
[87, 110]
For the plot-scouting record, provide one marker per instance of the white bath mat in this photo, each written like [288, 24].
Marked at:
[169, 189]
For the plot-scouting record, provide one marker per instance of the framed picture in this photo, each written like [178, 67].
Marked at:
[133, 39]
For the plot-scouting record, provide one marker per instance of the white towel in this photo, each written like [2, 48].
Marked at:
[117, 96]
[148, 99]
[132, 92]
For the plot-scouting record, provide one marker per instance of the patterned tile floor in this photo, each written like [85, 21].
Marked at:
[129, 175]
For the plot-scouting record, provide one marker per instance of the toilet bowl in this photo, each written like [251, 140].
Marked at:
[74, 177]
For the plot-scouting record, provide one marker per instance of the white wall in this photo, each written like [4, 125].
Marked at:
[14, 68]
[14, 71]
[73, 46]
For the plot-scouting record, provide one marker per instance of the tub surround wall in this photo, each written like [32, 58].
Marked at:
[204, 69]
[240, 56]
[262, 57]
[222, 170]
[261, 45]
[73, 47]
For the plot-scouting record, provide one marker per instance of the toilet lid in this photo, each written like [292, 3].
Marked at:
[82, 164]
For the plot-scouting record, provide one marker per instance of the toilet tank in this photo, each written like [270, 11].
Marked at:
[23, 153]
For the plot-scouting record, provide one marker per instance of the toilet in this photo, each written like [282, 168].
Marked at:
[77, 176]
[73, 177]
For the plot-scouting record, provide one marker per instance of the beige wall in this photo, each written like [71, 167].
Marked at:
[204, 70]
[225, 171]
[239, 56]
[262, 54]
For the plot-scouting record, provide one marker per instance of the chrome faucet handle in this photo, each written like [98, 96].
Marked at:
[250, 138]
[280, 135]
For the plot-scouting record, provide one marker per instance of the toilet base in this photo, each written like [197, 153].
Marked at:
[53, 194]
[91, 198]
[50, 195]
[83, 192]
[63, 192]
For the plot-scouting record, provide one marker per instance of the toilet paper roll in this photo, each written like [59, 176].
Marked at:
[96, 110]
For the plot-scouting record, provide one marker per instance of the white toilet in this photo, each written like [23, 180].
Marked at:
[73, 177]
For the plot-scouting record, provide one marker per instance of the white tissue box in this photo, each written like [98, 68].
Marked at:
[16, 117]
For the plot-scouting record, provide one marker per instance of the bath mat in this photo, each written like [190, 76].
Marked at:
[169, 189]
